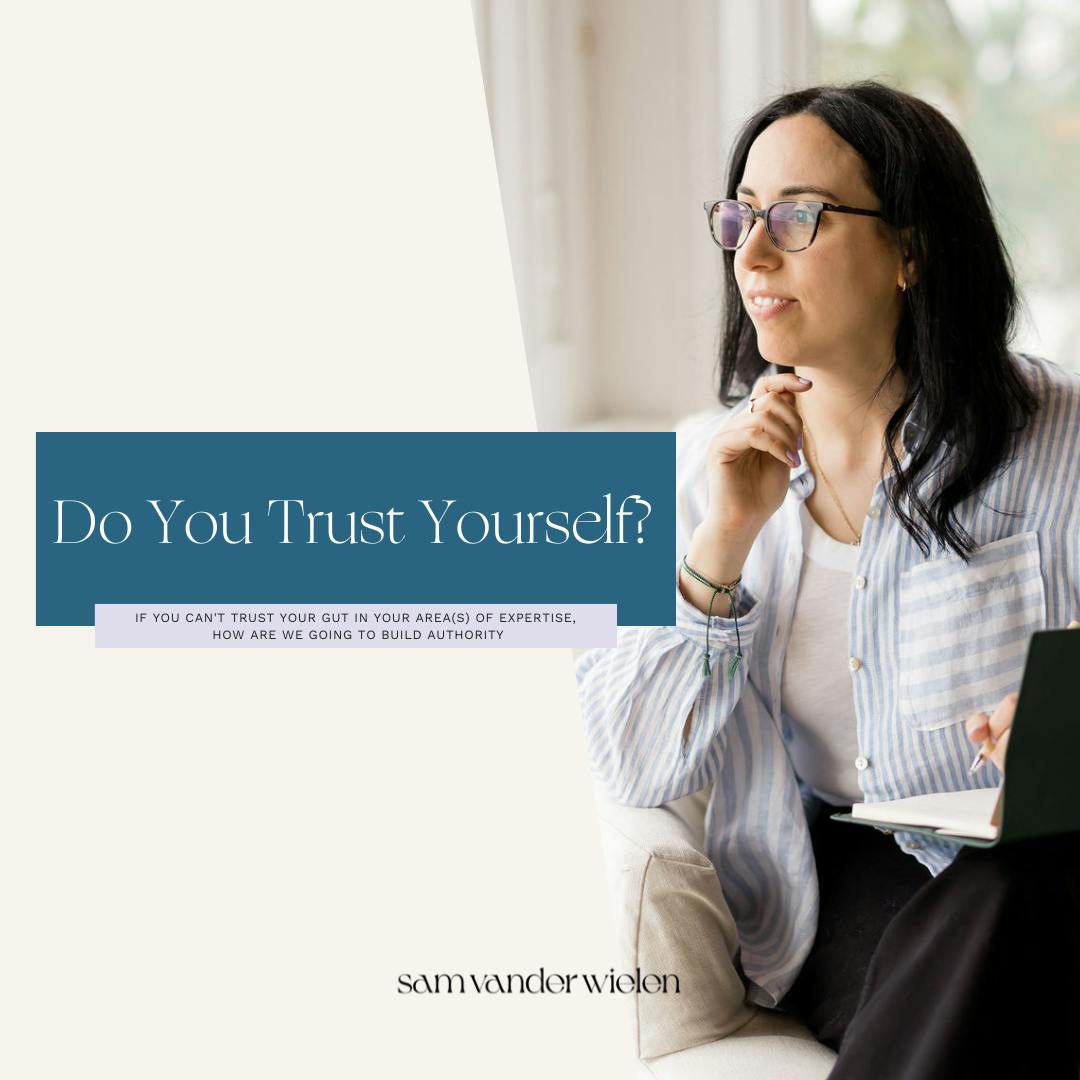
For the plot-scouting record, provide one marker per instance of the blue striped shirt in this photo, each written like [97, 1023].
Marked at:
[931, 640]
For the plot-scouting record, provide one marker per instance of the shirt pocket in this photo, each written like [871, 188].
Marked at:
[964, 630]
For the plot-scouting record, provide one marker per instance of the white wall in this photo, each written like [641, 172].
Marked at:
[611, 122]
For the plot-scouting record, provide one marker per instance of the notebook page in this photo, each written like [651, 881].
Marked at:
[962, 813]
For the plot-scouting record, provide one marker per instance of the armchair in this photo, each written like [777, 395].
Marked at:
[670, 916]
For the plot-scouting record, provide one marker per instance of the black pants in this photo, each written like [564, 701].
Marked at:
[974, 973]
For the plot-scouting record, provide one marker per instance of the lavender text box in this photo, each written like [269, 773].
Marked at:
[354, 626]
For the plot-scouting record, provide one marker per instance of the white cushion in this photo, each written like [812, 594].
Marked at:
[770, 1047]
[671, 919]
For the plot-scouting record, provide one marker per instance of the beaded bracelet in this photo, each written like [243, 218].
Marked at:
[729, 589]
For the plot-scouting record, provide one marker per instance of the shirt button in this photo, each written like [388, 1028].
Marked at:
[860, 582]
[873, 512]
[862, 763]
[913, 845]
[854, 663]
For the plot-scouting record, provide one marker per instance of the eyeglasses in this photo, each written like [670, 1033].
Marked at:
[791, 225]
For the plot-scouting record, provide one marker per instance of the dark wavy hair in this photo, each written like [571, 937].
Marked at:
[958, 317]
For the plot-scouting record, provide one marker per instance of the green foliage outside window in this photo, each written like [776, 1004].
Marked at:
[1007, 73]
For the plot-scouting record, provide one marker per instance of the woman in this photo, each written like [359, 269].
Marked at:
[891, 509]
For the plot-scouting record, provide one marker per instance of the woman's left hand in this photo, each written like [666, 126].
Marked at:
[982, 727]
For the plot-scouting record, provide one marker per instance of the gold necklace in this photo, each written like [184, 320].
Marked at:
[832, 491]
[809, 446]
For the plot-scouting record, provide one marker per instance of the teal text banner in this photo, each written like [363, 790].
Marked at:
[392, 517]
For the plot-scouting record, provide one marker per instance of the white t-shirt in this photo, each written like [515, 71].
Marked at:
[815, 689]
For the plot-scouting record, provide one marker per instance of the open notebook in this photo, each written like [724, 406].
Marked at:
[972, 813]
[1040, 770]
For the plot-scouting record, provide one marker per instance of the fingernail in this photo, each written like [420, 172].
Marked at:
[798, 442]
[793, 457]
[807, 382]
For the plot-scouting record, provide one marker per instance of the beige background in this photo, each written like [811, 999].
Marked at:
[229, 216]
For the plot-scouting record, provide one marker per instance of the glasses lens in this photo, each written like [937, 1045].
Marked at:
[791, 224]
[730, 221]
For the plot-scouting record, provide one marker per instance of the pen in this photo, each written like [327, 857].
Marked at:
[987, 747]
[981, 757]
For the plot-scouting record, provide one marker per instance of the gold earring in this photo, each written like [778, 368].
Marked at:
[903, 286]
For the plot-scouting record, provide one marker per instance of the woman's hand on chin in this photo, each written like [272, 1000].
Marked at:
[749, 460]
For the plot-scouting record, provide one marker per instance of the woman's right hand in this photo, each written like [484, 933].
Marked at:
[747, 472]
[747, 463]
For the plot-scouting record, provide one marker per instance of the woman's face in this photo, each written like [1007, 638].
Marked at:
[846, 284]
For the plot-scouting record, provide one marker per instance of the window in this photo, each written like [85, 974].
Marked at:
[1005, 72]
